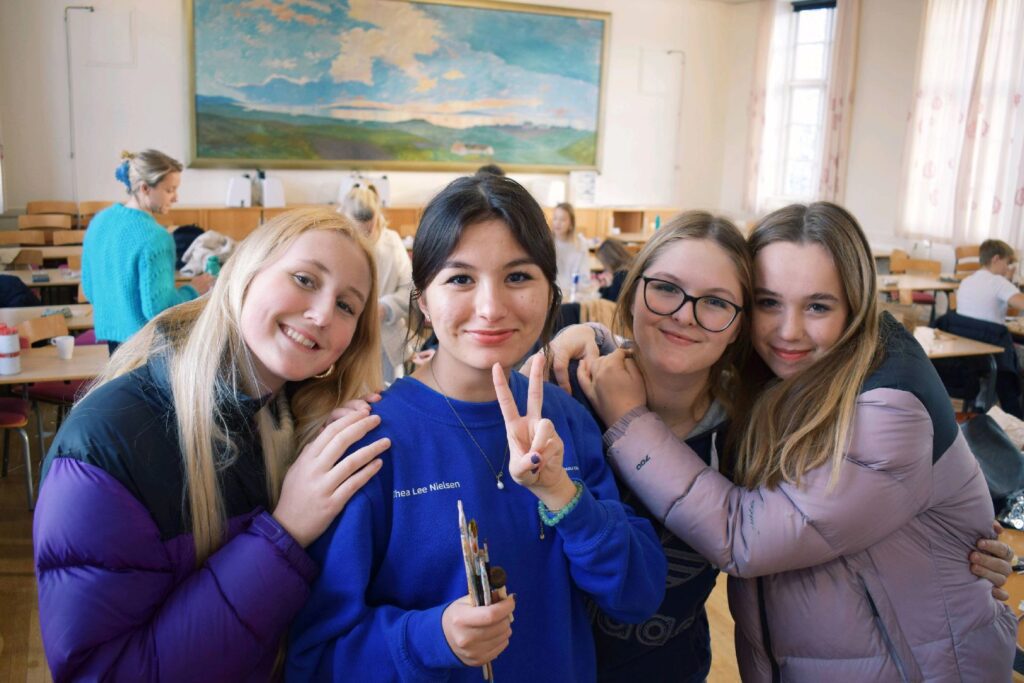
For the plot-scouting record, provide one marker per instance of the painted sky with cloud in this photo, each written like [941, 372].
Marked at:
[387, 59]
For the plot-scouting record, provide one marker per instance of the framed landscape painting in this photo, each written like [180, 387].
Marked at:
[405, 84]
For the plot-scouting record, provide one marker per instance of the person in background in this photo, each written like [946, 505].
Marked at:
[394, 275]
[616, 260]
[982, 301]
[572, 252]
[128, 258]
[986, 293]
[853, 499]
[391, 602]
[491, 169]
[178, 497]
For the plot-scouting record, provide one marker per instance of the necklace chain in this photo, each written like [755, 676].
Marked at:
[498, 474]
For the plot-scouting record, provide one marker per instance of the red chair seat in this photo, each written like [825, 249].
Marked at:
[923, 298]
[57, 392]
[14, 413]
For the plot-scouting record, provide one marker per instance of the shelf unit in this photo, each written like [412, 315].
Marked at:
[636, 223]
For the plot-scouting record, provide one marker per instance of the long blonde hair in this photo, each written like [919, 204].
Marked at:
[148, 167]
[211, 370]
[697, 225]
[802, 422]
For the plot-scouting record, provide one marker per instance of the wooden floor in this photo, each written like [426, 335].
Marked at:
[21, 651]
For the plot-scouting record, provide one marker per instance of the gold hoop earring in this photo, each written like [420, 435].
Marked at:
[326, 373]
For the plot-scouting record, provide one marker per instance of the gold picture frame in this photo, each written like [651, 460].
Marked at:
[421, 85]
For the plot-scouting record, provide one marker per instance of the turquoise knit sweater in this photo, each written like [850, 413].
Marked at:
[128, 271]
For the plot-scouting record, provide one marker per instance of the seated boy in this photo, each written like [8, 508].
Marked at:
[987, 292]
[982, 301]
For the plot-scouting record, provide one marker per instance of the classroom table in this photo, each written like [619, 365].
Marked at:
[8, 254]
[81, 315]
[43, 365]
[918, 283]
[938, 344]
[62, 277]
[59, 277]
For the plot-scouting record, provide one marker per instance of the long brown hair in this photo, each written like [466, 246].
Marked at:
[802, 422]
[698, 225]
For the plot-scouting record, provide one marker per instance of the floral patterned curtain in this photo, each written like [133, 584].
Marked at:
[841, 81]
[964, 159]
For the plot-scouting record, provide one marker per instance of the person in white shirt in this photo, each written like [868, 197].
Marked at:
[987, 293]
[572, 253]
[394, 273]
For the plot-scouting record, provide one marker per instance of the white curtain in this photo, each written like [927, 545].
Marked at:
[964, 159]
[767, 164]
[842, 79]
[756, 105]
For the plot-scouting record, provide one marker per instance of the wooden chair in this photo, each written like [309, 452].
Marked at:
[52, 206]
[47, 327]
[897, 261]
[61, 237]
[967, 259]
[46, 220]
[75, 262]
[63, 394]
[20, 237]
[14, 414]
[26, 260]
[86, 210]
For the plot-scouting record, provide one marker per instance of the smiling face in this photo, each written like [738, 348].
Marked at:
[301, 310]
[487, 304]
[160, 198]
[676, 345]
[800, 307]
[561, 224]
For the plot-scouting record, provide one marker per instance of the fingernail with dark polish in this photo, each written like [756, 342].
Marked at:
[535, 459]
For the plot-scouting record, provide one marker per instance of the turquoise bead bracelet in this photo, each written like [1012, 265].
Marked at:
[553, 517]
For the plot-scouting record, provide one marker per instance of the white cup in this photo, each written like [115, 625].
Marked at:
[65, 346]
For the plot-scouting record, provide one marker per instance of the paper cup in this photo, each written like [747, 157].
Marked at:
[9, 343]
[65, 346]
[10, 365]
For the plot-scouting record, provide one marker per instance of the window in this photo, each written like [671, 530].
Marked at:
[794, 134]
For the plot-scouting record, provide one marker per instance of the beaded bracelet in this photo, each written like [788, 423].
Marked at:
[553, 517]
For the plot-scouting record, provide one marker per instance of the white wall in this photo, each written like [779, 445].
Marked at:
[131, 92]
[886, 67]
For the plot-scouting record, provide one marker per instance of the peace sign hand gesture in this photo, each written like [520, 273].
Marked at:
[535, 449]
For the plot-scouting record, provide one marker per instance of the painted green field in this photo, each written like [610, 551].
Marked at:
[225, 130]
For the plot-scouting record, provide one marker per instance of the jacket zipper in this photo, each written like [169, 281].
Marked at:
[885, 635]
[765, 635]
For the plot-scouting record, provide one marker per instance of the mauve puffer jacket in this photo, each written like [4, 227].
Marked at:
[868, 581]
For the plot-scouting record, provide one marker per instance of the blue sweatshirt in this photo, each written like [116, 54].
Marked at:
[392, 562]
[128, 271]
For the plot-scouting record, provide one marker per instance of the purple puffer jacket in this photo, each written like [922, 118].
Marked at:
[120, 598]
[868, 581]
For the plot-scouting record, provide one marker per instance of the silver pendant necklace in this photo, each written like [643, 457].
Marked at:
[500, 472]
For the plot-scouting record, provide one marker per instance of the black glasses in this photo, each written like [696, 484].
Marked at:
[713, 313]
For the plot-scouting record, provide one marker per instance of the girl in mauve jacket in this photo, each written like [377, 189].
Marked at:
[856, 497]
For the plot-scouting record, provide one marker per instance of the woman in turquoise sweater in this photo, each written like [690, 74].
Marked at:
[128, 258]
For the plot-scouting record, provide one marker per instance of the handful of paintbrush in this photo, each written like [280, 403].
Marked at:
[482, 579]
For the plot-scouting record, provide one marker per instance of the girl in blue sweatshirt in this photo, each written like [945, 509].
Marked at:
[391, 602]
